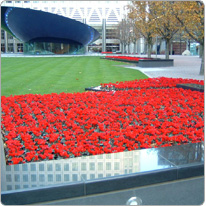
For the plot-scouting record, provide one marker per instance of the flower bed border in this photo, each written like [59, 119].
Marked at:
[193, 87]
[153, 62]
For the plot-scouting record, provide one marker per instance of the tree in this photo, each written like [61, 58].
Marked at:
[190, 14]
[164, 22]
[139, 13]
[123, 32]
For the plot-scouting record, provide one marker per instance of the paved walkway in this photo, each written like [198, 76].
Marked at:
[187, 67]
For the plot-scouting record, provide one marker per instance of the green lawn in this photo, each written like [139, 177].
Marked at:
[60, 74]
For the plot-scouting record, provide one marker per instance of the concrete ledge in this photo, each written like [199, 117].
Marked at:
[193, 87]
[155, 63]
[173, 163]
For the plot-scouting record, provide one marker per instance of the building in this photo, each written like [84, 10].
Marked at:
[46, 33]
[104, 16]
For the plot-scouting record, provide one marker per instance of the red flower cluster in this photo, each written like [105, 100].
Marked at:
[54, 126]
[127, 58]
[161, 82]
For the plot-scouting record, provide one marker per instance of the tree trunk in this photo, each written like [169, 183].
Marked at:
[134, 48]
[149, 50]
[149, 47]
[128, 48]
[167, 48]
[202, 69]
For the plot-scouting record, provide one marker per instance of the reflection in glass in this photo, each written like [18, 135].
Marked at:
[41, 177]
[49, 167]
[58, 167]
[25, 167]
[58, 177]
[17, 178]
[92, 166]
[33, 178]
[66, 167]
[42, 48]
[74, 166]
[17, 187]
[100, 166]
[8, 178]
[66, 177]
[50, 178]
[33, 167]
[25, 178]
[41, 167]
[16, 167]
[74, 178]
[83, 166]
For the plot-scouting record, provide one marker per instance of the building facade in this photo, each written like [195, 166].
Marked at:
[104, 16]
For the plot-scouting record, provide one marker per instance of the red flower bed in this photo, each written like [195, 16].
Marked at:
[150, 83]
[54, 126]
[107, 52]
[127, 58]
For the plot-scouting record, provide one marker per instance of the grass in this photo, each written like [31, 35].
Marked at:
[60, 74]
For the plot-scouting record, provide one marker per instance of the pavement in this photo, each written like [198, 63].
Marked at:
[187, 67]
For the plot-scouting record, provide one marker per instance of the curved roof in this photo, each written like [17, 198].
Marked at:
[37, 26]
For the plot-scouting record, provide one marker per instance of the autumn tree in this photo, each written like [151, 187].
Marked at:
[164, 23]
[139, 13]
[190, 14]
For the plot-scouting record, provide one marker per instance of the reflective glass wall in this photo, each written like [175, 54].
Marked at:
[35, 48]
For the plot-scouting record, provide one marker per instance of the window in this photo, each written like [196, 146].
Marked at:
[2, 34]
[58, 178]
[3, 50]
[8, 178]
[83, 166]
[20, 47]
[100, 166]
[66, 177]
[74, 166]
[49, 167]
[25, 178]
[25, 167]
[74, 177]
[11, 49]
[58, 167]
[9, 36]
[92, 176]
[50, 178]
[108, 166]
[17, 178]
[16, 167]
[33, 178]
[92, 166]
[116, 166]
[41, 178]
[66, 167]
[41, 167]
[33, 167]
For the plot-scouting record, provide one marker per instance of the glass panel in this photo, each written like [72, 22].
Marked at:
[41, 167]
[52, 48]
[25, 178]
[8, 178]
[58, 167]
[49, 167]
[33, 178]
[66, 167]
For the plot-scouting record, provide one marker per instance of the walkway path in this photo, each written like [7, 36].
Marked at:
[184, 67]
